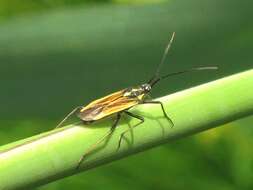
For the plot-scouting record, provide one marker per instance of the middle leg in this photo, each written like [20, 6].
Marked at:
[100, 140]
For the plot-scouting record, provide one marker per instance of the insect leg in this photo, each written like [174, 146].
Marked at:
[123, 133]
[100, 140]
[65, 118]
[161, 104]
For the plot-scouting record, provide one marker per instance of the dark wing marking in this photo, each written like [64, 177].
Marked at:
[90, 113]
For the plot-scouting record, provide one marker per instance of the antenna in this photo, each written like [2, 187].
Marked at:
[156, 80]
[163, 58]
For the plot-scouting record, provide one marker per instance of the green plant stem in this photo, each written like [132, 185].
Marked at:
[53, 155]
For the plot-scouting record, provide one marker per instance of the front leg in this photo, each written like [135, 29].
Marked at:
[161, 104]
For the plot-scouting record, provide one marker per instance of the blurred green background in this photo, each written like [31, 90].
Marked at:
[55, 55]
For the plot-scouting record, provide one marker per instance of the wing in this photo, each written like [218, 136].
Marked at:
[105, 100]
[106, 106]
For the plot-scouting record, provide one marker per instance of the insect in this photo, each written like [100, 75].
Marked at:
[120, 102]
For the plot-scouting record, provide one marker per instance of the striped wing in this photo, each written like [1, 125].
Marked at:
[106, 106]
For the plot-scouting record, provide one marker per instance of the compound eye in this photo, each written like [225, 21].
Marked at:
[147, 88]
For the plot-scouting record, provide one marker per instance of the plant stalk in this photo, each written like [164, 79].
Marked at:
[53, 155]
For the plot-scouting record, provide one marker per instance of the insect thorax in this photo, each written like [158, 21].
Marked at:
[137, 92]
